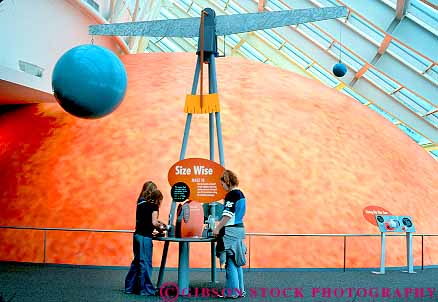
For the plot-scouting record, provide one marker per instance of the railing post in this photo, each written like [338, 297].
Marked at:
[345, 250]
[422, 252]
[45, 241]
[249, 253]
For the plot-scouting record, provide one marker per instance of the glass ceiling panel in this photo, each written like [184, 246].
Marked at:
[434, 154]
[315, 35]
[168, 46]
[325, 3]
[349, 58]
[385, 114]
[251, 52]
[195, 10]
[432, 74]
[276, 5]
[185, 4]
[222, 3]
[424, 12]
[433, 119]
[408, 57]
[413, 102]
[323, 75]
[414, 135]
[366, 29]
[355, 95]
[382, 81]
[165, 14]
[272, 38]
[236, 8]
[233, 40]
[296, 55]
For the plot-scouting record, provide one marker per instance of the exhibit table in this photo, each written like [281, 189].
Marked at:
[184, 259]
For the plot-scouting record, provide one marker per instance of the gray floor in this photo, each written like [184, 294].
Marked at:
[31, 282]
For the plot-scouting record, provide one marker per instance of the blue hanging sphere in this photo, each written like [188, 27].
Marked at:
[89, 81]
[339, 70]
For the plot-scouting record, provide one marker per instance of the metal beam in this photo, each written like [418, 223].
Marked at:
[119, 7]
[401, 9]
[261, 6]
[134, 18]
[430, 147]
[360, 73]
[112, 7]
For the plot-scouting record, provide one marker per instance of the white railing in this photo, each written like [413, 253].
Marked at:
[249, 235]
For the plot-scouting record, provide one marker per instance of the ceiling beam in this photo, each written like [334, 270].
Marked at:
[261, 6]
[134, 18]
[430, 147]
[401, 9]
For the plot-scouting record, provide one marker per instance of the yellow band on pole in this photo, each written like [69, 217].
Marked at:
[210, 103]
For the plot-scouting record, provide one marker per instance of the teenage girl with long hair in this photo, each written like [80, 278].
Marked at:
[139, 280]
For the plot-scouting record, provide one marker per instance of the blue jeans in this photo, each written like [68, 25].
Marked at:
[139, 275]
[234, 278]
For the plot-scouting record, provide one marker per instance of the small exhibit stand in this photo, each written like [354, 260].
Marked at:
[184, 261]
[401, 224]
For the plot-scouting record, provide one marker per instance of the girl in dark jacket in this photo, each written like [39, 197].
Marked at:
[139, 276]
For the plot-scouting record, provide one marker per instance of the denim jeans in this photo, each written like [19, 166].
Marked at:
[139, 275]
[234, 278]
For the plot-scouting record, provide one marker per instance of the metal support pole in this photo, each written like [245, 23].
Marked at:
[213, 79]
[211, 134]
[45, 246]
[186, 136]
[382, 254]
[171, 226]
[211, 90]
[196, 76]
[212, 74]
[213, 246]
[189, 115]
[345, 251]
[422, 252]
[409, 254]
[183, 268]
[213, 262]
[249, 252]
[171, 233]
[219, 139]
[163, 264]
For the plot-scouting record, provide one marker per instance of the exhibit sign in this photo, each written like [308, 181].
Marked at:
[196, 179]
[370, 212]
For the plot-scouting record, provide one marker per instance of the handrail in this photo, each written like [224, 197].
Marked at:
[45, 229]
[330, 235]
[248, 233]
[66, 229]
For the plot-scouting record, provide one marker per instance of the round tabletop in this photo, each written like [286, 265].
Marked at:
[186, 239]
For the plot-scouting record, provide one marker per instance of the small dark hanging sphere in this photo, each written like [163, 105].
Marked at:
[339, 70]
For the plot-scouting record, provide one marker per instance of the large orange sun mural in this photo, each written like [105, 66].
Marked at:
[309, 158]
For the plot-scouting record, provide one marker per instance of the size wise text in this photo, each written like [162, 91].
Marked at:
[197, 170]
